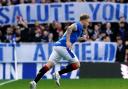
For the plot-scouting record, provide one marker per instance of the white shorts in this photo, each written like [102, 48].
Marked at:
[62, 52]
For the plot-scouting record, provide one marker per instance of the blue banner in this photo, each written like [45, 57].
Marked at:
[39, 52]
[30, 57]
[30, 70]
[63, 12]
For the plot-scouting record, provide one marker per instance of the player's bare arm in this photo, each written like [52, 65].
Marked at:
[69, 31]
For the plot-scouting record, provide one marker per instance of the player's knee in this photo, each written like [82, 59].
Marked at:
[75, 65]
[78, 65]
[50, 65]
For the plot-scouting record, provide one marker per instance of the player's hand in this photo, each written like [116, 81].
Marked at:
[69, 44]
[85, 37]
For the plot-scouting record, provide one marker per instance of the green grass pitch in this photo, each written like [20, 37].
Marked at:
[71, 84]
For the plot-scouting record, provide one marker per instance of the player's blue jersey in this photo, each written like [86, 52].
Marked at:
[73, 37]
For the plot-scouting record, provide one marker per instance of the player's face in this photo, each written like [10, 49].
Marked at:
[86, 22]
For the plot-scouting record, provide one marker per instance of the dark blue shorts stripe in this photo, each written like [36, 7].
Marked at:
[70, 53]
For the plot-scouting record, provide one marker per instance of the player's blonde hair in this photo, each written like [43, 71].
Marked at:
[84, 17]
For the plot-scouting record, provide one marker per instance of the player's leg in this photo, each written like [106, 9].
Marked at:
[69, 68]
[43, 70]
[54, 57]
[70, 56]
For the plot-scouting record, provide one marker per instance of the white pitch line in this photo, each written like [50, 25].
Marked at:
[7, 82]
